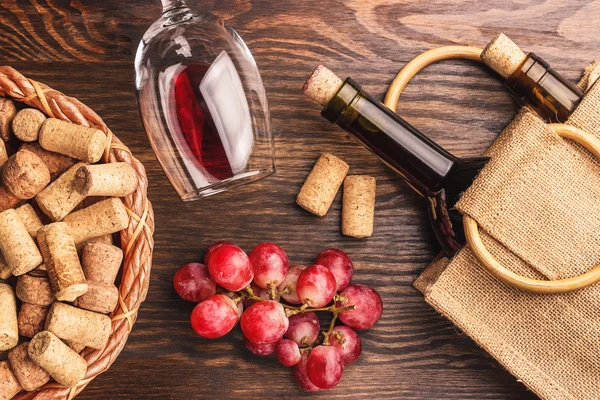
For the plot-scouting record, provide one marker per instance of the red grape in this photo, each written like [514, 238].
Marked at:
[215, 316]
[325, 367]
[193, 283]
[303, 329]
[316, 286]
[260, 349]
[301, 375]
[212, 248]
[368, 307]
[288, 353]
[290, 282]
[348, 344]
[264, 322]
[230, 267]
[339, 264]
[270, 264]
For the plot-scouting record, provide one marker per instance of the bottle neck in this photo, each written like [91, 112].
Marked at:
[543, 89]
[422, 163]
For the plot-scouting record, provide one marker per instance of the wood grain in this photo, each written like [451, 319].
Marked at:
[86, 49]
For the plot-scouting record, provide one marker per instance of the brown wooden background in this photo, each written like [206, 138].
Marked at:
[86, 49]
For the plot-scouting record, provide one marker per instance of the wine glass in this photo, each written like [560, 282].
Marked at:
[203, 103]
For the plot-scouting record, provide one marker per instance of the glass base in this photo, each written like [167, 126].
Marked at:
[227, 184]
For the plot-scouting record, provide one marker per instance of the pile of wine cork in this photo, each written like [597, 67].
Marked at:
[59, 210]
[358, 206]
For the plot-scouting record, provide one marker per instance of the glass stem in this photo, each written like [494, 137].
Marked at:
[169, 5]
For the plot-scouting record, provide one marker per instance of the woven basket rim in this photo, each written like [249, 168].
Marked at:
[137, 239]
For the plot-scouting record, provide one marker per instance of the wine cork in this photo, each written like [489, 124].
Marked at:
[80, 142]
[56, 163]
[103, 218]
[18, 248]
[322, 85]
[30, 219]
[112, 179]
[9, 330]
[31, 319]
[7, 199]
[101, 263]
[63, 364]
[25, 175]
[9, 386]
[106, 239]
[358, 211]
[3, 153]
[7, 114]
[503, 55]
[79, 326]
[27, 123]
[4, 269]
[29, 375]
[35, 290]
[322, 184]
[61, 196]
[62, 262]
[76, 347]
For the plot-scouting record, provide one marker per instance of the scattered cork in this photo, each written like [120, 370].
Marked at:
[30, 219]
[29, 375]
[9, 330]
[27, 123]
[80, 142]
[31, 319]
[322, 184]
[9, 386]
[322, 85]
[56, 163]
[79, 326]
[358, 211]
[103, 218]
[63, 364]
[3, 153]
[34, 290]
[112, 179]
[101, 263]
[503, 55]
[62, 196]
[62, 262]
[25, 175]
[7, 199]
[7, 114]
[16, 245]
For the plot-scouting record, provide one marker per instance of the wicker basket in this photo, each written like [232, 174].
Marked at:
[137, 241]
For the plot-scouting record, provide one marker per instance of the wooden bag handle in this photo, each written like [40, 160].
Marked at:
[591, 143]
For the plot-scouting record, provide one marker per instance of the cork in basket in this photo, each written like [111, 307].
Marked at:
[136, 240]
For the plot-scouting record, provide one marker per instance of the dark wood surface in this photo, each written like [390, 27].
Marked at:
[86, 49]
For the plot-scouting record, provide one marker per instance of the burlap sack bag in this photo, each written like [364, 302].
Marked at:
[537, 203]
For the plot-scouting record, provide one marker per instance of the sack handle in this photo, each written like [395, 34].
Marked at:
[591, 143]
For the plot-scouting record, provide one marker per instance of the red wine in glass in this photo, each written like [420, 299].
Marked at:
[196, 123]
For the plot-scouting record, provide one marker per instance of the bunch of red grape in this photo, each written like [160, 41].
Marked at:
[280, 304]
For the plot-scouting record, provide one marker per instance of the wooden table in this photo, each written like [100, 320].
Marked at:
[86, 49]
